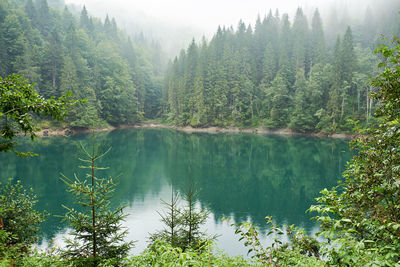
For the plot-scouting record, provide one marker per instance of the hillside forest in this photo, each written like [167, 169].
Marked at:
[299, 73]
[60, 51]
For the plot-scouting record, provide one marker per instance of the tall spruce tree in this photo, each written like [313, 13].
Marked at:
[317, 41]
[301, 45]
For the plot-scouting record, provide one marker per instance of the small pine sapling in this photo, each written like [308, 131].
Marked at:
[172, 220]
[97, 233]
[193, 219]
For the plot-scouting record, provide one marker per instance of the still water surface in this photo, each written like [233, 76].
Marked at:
[243, 177]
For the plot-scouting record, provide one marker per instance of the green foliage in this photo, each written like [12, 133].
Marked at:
[173, 222]
[361, 215]
[43, 259]
[18, 102]
[303, 250]
[17, 212]
[162, 253]
[97, 234]
[193, 219]
[19, 221]
[182, 225]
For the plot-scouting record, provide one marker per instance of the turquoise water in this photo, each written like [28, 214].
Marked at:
[243, 177]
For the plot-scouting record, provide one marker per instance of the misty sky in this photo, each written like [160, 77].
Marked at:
[206, 14]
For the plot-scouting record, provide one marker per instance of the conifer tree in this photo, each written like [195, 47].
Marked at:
[67, 18]
[286, 66]
[44, 19]
[172, 220]
[85, 21]
[182, 225]
[193, 219]
[269, 65]
[348, 56]
[302, 117]
[31, 12]
[317, 41]
[12, 40]
[301, 42]
[51, 65]
[97, 233]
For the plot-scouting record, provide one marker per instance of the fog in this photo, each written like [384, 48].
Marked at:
[208, 14]
[175, 22]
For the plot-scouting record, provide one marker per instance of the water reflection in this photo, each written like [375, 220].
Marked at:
[241, 176]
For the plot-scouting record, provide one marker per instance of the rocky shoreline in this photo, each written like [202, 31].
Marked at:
[189, 129]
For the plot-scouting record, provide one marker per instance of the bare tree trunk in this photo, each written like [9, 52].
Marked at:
[93, 212]
[370, 106]
[54, 76]
[367, 100]
[251, 106]
[341, 115]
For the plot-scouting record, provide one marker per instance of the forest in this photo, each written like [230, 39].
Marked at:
[280, 73]
[277, 74]
[62, 52]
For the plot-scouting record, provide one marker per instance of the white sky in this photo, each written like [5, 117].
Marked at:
[175, 22]
[203, 14]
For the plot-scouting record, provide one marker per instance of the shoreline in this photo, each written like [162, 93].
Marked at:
[189, 129]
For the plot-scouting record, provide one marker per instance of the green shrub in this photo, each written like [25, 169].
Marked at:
[162, 253]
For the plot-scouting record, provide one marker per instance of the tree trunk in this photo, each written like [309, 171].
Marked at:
[342, 113]
[93, 213]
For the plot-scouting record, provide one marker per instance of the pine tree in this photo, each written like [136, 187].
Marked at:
[193, 219]
[348, 56]
[302, 117]
[301, 45]
[44, 19]
[30, 11]
[286, 66]
[108, 27]
[114, 29]
[277, 103]
[350, 64]
[67, 19]
[97, 234]
[260, 43]
[173, 222]
[336, 95]
[27, 63]
[269, 65]
[85, 22]
[11, 33]
[51, 64]
[318, 49]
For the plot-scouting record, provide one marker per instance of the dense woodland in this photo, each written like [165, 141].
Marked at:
[280, 73]
[298, 73]
[60, 51]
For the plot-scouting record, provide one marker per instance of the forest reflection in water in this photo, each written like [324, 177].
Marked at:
[244, 177]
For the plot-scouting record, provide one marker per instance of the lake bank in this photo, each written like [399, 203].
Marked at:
[189, 129]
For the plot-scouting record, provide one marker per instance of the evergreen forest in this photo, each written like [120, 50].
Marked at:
[300, 73]
[281, 73]
[63, 52]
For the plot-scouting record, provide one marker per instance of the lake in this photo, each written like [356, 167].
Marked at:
[244, 177]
